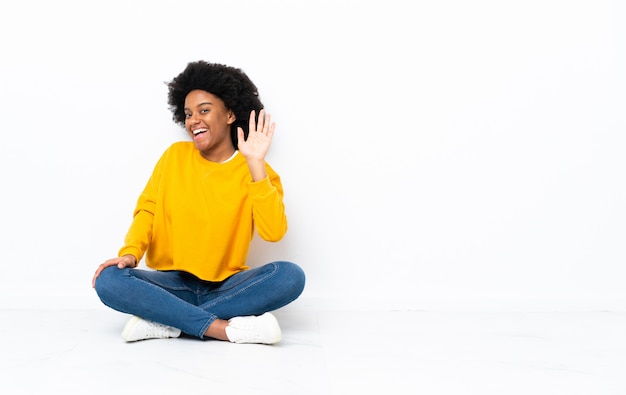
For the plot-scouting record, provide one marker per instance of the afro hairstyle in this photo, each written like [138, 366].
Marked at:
[230, 84]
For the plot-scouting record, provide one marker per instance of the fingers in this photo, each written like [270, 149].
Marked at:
[270, 131]
[263, 124]
[121, 263]
[251, 126]
[95, 276]
[256, 126]
[100, 268]
[259, 126]
[98, 271]
[240, 136]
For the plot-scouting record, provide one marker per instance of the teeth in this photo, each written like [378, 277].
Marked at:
[198, 131]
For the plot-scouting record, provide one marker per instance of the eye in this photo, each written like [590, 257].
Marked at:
[187, 115]
[204, 111]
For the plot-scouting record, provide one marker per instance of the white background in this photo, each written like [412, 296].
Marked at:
[433, 153]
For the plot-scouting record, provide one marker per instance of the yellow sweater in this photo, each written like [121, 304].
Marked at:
[200, 216]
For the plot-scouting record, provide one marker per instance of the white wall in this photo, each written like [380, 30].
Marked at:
[433, 152]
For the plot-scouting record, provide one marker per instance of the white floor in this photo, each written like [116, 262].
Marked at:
[323, 352]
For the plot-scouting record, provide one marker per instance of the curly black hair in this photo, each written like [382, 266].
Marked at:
[230, 84]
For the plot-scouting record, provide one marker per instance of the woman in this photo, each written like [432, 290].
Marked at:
[196, 217]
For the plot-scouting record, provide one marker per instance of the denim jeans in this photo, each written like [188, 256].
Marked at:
[181, 300]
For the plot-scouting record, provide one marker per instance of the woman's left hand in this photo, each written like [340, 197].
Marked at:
[260, 135]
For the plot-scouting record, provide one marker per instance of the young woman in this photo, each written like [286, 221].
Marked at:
[196, 217]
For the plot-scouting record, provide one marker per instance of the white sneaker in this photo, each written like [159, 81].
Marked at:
[140, 329]
[263, 329]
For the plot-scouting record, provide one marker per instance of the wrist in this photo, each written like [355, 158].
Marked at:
[132, 258]
[257, 169]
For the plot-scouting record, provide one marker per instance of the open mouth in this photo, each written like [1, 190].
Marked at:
[199, 131]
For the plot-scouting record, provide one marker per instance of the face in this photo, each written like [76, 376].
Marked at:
[208, 121]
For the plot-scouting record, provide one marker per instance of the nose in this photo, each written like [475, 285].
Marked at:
[192, 119]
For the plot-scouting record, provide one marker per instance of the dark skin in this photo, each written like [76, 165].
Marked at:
[208, 123]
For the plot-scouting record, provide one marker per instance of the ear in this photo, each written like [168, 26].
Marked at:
[231, 117]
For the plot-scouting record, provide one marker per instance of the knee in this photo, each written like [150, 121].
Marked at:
[105, 283]
[293, 276]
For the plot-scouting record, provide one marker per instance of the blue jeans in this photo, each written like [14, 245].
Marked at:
[183, 301]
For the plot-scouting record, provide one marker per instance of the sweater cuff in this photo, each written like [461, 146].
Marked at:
[129, 250]
[261, 187]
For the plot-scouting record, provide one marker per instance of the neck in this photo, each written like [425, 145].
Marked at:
[218, 157]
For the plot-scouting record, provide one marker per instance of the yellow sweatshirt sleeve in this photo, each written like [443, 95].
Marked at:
[268, 209]
[139, 234]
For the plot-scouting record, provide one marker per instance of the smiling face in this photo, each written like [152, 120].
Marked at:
[208, 121]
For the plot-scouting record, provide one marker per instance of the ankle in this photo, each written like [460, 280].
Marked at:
[217, 330]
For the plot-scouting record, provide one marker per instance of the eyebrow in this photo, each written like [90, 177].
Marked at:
[200, 105]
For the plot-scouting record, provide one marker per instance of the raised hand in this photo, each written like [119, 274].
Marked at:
[259, 137]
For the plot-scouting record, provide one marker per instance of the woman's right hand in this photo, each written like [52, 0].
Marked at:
[120, 262]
